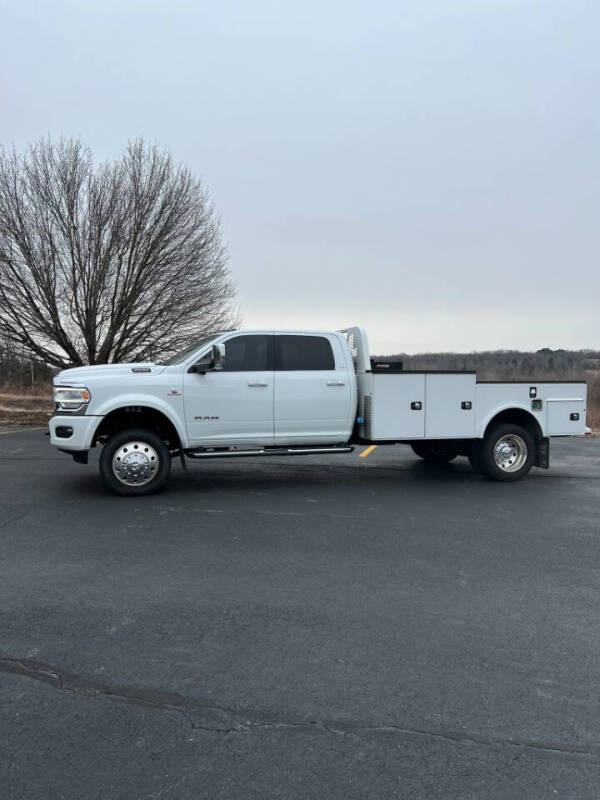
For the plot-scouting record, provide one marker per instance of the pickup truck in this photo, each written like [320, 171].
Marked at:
[259, 393]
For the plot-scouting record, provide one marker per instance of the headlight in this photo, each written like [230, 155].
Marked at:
[71, 399]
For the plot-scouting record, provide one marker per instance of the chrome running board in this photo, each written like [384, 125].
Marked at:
[269, 451]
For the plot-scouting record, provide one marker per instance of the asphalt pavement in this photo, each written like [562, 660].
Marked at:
[337, 627]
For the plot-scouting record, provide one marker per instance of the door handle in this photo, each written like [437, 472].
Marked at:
[416, 406]
[336, 383]
[257, 383]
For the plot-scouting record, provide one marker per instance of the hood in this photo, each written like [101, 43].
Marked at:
[82, 374]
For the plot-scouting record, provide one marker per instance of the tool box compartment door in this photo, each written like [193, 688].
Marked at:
[450, 406]
[398, 406]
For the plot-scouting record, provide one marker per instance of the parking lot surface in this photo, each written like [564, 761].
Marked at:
[338, 627]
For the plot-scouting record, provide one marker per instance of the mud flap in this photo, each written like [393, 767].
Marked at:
[542, 453]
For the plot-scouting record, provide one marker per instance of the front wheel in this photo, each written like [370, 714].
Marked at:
[506, 453]
[435, 452]
[135, 462]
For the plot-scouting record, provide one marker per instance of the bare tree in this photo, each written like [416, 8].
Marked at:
[119, 262]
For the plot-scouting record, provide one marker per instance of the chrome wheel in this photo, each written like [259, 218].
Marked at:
[135, 463]
[510, 453]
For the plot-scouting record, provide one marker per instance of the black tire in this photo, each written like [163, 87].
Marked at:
[522, 461]
[476, 457]
[435, 452]
[145, 478]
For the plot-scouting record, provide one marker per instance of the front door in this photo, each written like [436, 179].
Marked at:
[234, 403]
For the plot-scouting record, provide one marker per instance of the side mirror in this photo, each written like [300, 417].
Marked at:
[211, 361]
[218, 356]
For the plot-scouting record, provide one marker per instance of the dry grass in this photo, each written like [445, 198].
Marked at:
[32, 405]
[593, 409]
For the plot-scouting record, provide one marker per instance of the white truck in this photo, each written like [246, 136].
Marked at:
[260, 393]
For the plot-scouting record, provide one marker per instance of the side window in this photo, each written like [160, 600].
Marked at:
[248, 353]
[303, 352]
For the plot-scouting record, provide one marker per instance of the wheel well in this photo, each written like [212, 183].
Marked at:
[517, 416]
[137, 417]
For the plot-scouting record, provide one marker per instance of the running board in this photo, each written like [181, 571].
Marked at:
[269, 451]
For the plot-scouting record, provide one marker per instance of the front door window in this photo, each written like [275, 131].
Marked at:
[247, 353]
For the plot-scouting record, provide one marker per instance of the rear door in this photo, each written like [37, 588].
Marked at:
[312, 389]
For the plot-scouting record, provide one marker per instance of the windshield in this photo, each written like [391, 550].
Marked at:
[181, 356]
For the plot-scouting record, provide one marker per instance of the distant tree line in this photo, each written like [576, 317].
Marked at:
[20, 371]
[510, 364]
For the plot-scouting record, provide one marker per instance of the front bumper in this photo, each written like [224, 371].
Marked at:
[81, 433]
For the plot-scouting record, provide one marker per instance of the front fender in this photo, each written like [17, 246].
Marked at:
[148, 401]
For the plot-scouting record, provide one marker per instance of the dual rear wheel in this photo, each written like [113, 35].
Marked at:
[506, 452]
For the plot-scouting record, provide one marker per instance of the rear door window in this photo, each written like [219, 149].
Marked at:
[303, 353]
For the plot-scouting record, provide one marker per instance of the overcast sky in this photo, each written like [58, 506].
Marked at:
[430, 169]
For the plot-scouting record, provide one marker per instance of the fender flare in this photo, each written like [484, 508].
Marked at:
[481, 429]
[147, 401]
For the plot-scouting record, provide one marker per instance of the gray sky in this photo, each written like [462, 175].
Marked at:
[428, 169]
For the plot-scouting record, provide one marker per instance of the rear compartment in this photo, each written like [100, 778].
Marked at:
[564, 414]
[559, 407]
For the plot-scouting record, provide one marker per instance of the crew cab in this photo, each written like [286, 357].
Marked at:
[259, 393]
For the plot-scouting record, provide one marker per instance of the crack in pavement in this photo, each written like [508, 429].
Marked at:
[202, 715]
[5, 523]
